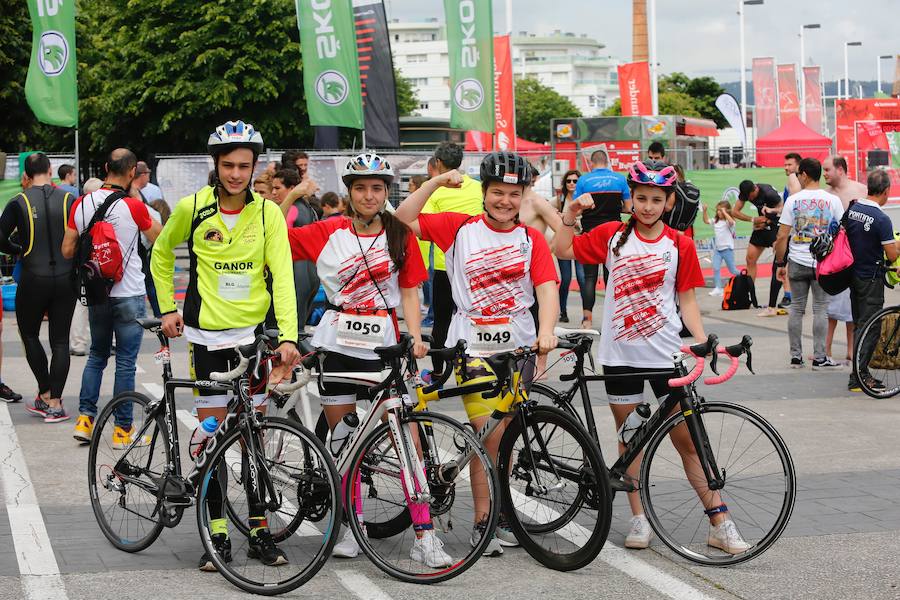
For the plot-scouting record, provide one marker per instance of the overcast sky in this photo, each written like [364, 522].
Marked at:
[700, 37]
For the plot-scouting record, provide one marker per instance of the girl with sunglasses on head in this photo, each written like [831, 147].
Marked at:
[565, 197]
[653, 269]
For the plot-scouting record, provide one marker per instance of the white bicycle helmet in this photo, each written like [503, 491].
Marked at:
[367, 164]
[232, 135]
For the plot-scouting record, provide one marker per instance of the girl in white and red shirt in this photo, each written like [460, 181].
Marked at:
[497, 267]
[369, 264]
[653, 270]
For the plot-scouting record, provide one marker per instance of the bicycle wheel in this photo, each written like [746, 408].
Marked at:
[453, 509]
[876, 355]
[123, 482]
[553, 477]
[303, 513]
[759, 484]
[546, 395]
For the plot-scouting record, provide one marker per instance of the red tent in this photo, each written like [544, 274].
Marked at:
[792, 136]
[479, 141]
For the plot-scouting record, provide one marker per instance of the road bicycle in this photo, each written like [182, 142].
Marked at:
[258, 464]
[401, 461]
[740, 461]
[876, 354]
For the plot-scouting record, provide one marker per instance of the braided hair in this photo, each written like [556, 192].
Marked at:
[629, 227]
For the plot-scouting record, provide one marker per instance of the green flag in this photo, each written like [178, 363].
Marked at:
[330, 64]
[51, 87]
[470, 43]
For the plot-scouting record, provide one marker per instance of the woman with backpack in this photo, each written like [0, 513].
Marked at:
[723, 243]
[652, 267]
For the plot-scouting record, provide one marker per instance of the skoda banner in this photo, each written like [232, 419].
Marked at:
[470, 44]
[51, 88]
[330, 65]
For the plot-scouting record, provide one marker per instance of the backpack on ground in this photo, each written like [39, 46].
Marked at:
[98, 263]
[739, 293]
[834, 266]
[687, 205]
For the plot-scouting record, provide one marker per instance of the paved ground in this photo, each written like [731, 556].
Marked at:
[841, 543]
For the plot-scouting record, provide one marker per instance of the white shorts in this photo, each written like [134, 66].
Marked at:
[839, 307]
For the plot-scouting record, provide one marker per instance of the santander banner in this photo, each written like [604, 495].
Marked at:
[788, 97]
[764, 96]
[504, 96]
[634, 89]
[813, 91]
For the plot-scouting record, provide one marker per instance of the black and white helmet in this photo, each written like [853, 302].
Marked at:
[367, 165]
[505, 167]
[232, 135]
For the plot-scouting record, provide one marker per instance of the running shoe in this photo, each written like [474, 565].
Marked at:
[223, 548]
[122, 439]
[493, 548]
[797, 363]
[84, 428]
[563, 318]
[876, 385]
[55, 414]
[263, 547]
[348, 547]
[429, 551]
[767, 312]
[639, 535]
[504, 533]
[727, 538]
[785, 302]
[716, 292]
[7, 395]
[826, 364]
[37, 407]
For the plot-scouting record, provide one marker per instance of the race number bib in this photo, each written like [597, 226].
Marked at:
[234, 287]
[361, 331]
[490, 338]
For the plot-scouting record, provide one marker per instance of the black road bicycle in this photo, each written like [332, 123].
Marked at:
[258, 463]
[739, 460]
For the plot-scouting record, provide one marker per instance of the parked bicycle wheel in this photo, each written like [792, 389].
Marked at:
[303, 511]
[876, 355]
[759, 486]
[452, 509]
[553, 476]
[124, 479]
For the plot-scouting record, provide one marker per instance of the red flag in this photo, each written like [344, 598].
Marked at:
[764, 96]
[788, 98]
[813, 92]
[634, 89]
[504, 96]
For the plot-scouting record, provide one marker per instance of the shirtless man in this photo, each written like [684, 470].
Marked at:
[834, 168]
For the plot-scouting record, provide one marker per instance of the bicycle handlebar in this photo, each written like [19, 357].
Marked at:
[699, 351]
[224, 377]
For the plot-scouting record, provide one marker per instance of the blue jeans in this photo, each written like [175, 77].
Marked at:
[718, 256]
[117, 317]
[565, 278]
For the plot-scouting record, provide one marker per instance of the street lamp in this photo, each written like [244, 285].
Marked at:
[847, 68]
[802, 77]
[741, 4]
[878, 67]
[654, 61]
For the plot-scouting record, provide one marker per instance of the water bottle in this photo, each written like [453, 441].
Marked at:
[343, 432]
[205, 431]
[633, 422]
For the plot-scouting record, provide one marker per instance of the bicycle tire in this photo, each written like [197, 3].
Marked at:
[885, 332]
[583, 539]
[676, 529]
[249, 580]
[101, 449]
[366, 462]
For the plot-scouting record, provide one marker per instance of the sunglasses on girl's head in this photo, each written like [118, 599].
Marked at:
[664, 177]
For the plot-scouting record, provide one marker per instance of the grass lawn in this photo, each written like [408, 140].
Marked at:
[714, 182]
[8, 189]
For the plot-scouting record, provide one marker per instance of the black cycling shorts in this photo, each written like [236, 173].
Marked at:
[204, 361]
[630, 390]
[763, 238]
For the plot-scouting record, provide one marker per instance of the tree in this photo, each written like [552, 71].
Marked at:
[407, 99]
[536, 104]
[158, 76]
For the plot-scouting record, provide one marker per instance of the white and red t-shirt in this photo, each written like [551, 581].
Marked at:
[492, 275]
[129, 217]
[641, 325]
[358, 275]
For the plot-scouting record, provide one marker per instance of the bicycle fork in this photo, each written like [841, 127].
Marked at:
[715, 478]
[412, 471]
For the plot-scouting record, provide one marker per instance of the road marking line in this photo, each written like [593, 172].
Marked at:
[360, 586]
[37, 564]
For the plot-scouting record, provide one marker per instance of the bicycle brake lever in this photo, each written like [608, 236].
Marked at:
[749, 361]
[714, 360]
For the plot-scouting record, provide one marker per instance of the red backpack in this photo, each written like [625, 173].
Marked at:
[98, 260]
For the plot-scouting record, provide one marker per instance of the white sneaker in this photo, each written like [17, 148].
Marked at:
[726, 537]
[493, 548]
[716, 292]
[348, 547]
[640, 534]
[429, 550]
